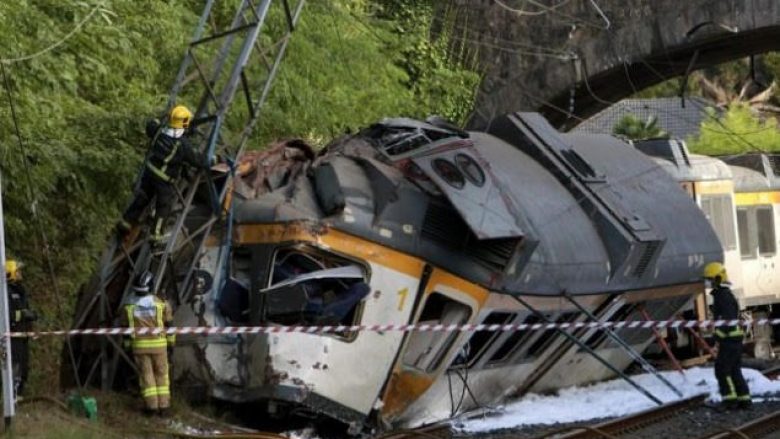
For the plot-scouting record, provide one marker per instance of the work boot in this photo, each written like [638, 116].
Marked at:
[149, 412]
[163, 412]
[745, 404]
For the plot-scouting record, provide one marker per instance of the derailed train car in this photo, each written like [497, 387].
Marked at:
[420, 222]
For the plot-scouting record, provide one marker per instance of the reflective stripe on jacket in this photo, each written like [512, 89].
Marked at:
[170, 150]
[147, 312]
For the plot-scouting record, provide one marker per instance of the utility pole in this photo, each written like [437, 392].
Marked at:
[9, 403]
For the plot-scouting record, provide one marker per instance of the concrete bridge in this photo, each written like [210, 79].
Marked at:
[571, 58]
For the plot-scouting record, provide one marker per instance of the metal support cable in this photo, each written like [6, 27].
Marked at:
[627, 347]
[593, 353]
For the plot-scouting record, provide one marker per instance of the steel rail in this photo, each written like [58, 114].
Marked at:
[434, 431]
[757, 428]
[616, 427]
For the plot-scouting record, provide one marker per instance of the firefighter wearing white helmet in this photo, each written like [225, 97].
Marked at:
[170, 150]
[728, 365]
[145, 310]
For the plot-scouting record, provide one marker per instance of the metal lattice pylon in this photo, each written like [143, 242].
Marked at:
[244, 54]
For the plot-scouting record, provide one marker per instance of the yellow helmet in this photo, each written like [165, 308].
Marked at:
[716, 271]
[12, 271]
[180, 117]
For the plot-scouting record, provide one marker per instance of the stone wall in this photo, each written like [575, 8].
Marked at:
[571, 61]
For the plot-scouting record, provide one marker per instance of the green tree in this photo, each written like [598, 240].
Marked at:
[81, 108]
[631, 127]
[738, 130]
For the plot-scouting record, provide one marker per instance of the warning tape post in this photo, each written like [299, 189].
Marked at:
[225, 330]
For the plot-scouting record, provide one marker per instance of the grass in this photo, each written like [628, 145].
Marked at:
[119, 416]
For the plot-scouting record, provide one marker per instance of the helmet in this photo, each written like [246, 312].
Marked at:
[143, 282]
[12, 269]
[715, 271]
[180, 117]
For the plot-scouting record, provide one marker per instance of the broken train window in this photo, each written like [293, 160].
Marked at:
[309, 286]
[233, 298]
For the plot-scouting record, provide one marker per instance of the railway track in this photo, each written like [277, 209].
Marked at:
[763, 427]
[627, 424]
[435, 431]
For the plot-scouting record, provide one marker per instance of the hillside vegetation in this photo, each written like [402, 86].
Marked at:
[82, 104]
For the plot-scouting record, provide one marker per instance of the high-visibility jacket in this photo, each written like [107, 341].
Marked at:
[148, 311]
[725, 307]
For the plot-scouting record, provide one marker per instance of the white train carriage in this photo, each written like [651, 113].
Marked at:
[740, 196]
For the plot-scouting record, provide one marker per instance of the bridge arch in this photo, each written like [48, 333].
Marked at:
[573, 60]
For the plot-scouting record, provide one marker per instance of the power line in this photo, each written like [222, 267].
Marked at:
[553, 10]
[36, 217]
[56, 44]
[523, 12]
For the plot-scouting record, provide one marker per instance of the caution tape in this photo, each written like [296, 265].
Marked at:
[227, 330]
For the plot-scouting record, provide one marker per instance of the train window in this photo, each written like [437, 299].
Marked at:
[449, 173]
[470, 169]
[718, 210]
[309, 286]
[766, 230]
[549, 335]
[481, 340]
[233, 298]
[427, 349]
[600, 335]
[514, 341]
[747, 245]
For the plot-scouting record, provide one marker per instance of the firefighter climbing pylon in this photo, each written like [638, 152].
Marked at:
[221, 58]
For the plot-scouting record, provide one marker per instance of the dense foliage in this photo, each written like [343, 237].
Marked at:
[81, 108]
[737, 131]
[751, 97]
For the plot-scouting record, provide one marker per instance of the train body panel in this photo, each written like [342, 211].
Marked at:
[411, 222]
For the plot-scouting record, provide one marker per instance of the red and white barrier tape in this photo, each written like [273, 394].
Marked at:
[223, 330]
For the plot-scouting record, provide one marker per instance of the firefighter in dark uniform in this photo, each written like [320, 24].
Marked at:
[169, 151]
[21, 317]
[728, 365]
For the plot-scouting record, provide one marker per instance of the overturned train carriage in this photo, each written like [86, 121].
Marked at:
[417, 222]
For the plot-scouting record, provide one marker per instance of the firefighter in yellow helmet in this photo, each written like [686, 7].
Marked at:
[145, 310]
[728, 365]
[170, 150]
[21, 317]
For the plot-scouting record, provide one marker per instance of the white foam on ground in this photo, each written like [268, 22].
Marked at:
[609, 399]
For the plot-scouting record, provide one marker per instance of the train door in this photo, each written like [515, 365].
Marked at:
[767, 249]
[425, 355]
[758, 250]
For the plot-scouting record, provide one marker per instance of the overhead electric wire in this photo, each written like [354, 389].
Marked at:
[506, 44]
[36, 218]
[523, 12]
[553, 10]
[56, 44]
